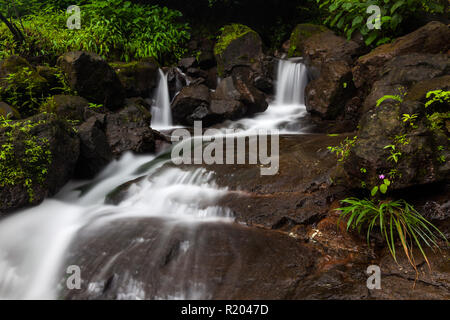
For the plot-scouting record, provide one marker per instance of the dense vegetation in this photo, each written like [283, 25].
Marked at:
[115, 29]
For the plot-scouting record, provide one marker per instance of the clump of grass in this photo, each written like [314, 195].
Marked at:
[395, 220]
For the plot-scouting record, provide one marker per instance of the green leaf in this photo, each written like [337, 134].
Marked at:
[387, 182]
[374, 191]
[357, 20]
[383, 188]
[371, 38]
[397, 5]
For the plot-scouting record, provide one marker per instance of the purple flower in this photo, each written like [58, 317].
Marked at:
[381, 176]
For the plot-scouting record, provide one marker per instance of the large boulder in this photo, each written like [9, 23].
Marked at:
[38, 156]
[129, 129]
[320, 45]
[326, 95]
[420, 145]
[66, 106]
[238, 45]
[232, 88]
[139, 78]
[92, 78]
[431, 38]
[192, 104]
[402, 72]
[95, 152]
[6, 111]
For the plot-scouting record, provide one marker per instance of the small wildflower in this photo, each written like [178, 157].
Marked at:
[381, 176]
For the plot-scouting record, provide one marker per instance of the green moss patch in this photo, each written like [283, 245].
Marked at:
[24, 157]
[229, 34]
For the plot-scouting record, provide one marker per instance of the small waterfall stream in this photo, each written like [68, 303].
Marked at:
[161, 111]
[35, 243]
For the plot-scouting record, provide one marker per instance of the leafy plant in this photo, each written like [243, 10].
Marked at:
[29, 167]
[343, 150]
[437, 96]
[115, 29]
[349, 16]
[394, 220]
[397, 98]
[395, 155]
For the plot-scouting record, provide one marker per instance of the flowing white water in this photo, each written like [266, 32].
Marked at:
[34, 242]
[161, 111]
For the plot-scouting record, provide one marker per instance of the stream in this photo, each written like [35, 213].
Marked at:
[170, 238]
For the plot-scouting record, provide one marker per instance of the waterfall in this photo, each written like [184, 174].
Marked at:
[291, 82]
[161, 111]
[35, 242]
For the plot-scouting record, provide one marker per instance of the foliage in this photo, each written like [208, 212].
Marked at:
[395, 219]
[115, 29]
[437, 96]
[29, 166]
[343, 150]
[23, 90]
[349, 16]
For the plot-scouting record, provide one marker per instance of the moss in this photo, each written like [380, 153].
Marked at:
[229, 34]
[300, 34]
[24, 157]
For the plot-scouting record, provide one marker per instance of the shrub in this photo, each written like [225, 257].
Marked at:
[115, 29]
[394, 220]
[28, 166]
[349, 16]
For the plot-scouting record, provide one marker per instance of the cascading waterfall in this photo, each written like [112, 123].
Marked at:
[34, 243]
[161, 111]
[291, 83]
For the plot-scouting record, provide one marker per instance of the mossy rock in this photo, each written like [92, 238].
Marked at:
[300, 34]
[37, 158]
[66, 106]
[7, 111]
[139, 78]
[238, 45]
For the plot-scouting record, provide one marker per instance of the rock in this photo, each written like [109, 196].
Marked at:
[325, 95]
[400, 73]
[226, 261]
[294, 47]
[139, 78]
[227, 109]
[418, 162]
[320, 45]
[95, 152]
[129, 130]
[300, 193]
[431, 38]
[66, 107]
[238, 45]
[187, 63]
[92, 78]
[7, 111]
[44, 151]
[232, 88]
[191, 104]
[176, 80]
